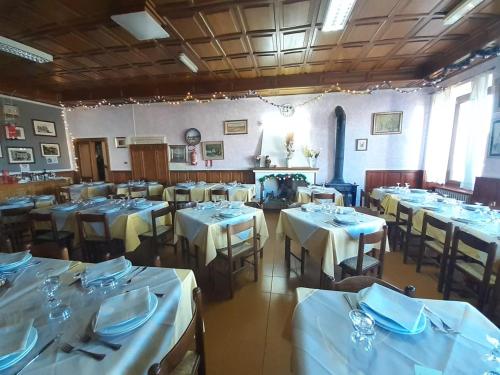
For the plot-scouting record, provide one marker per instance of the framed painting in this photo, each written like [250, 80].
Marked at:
[387, 123]
[213, 150]
[234, 127]
[20, 155]
[494, 149]
[44, 128]
[361, 144]
[50, 149]
[18, 135]
[178, 153]
[120, 142]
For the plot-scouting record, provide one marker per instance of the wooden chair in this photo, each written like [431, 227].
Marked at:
[258, 206]
[61, 238]
[95, 248]
[135, 191]
[254, 205]
[180, 359]
[406, 232]
[49, 250]
[474, 270]
[15, 225]
[240, 251]
[363, 263]
[181, 192]
[159, 233]
[322, 196]
[431, 243]
[63, 194]
[187, 255]
[219, 193]
[354, 284]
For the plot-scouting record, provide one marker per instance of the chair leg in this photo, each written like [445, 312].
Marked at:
[405, 249]
[255, 266]
[420, 257]
[287, 255]
[303, 260]
[231, 278]
[261, 251]
[448, 283]
[442, 272]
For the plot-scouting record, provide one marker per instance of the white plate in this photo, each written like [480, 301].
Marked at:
[14, 358]
[229, 213]
[15, 265]
[345, 220]
[116, 275]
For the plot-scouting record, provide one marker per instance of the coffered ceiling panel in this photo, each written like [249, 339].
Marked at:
[232, 40]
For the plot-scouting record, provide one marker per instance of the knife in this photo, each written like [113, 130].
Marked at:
[38, 355]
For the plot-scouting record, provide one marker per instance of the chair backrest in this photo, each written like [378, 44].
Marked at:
[219, 193]
[371, 239]
[195, 330]
[354, 284]
[15, 215]
[234, 229]
[63, 194]
[102, 219]
[183, 192]
[135, 191]
[39, 217]
[407, 218]
[49, 250]
[253, 204]
[374, 203]
[325, 196]
[155, 214]
[446, 227]
[182, 205]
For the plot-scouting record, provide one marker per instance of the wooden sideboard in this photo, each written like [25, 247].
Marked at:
[245, 176]
[377, 178]
[32, 188]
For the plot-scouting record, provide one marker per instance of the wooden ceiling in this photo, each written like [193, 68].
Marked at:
[237, 45]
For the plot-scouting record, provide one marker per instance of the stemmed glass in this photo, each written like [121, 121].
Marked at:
[493, 357]
[49, 286]
[364, 329]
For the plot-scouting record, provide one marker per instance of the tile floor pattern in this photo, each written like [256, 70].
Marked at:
[248, 334]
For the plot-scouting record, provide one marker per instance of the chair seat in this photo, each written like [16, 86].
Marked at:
[414, 232]
[160, 230]
[368, 262]
[238, 249]
[48, 236]
[389, 219]
[189, 363]
[475, 270]
[435, 245]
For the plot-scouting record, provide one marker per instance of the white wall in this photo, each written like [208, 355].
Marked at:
[492, 164]
[315, 121]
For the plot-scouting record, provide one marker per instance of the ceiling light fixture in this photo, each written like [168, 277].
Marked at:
[24, 51]
[337, 14]
[142, 25]
[460, 10]
[187, 61]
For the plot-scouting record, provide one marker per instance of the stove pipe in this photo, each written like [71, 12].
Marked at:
[338, 174]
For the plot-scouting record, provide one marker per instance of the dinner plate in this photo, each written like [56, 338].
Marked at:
[346, 220]
[229, 213]
[474, 207]
[389, 325]
[116, 275]
[311, 207]
[236, 204]
[15, 265]
[12, 359]
[130, 325]
[344, 210]
[141, 205]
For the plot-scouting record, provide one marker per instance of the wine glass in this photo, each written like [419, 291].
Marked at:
[364, 328]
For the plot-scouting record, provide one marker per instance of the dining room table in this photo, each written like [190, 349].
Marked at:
[153, 188]
[31, 201]
[126, 220]
[205, 228]
[322, 345]
[330, 233]
[304, 194]
[87, 190]
[169, 313]
[200, 191]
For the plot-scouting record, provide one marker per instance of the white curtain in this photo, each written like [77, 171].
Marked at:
[439, 136]
[478, 129]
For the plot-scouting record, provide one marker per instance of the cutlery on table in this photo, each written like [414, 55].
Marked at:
[444, 326]
[136, 273]
[89, 336]
[348, 299]
[37, 355]
[68, 348]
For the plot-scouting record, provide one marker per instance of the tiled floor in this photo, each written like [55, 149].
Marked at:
[248, 334]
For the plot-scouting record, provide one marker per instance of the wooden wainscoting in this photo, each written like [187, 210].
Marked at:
[72, 175]
[245, 176]
[377, 178]
[119, 177]
[486, 190]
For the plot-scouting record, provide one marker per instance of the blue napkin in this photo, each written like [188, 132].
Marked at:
[366, 227]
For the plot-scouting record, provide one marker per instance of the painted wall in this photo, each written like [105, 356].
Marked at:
[315, 121]
[27, 112]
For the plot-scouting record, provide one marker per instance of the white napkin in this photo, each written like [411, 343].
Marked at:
[9, 258]
[122, 308]
[106, 269]
[14, 337]
[402, 310]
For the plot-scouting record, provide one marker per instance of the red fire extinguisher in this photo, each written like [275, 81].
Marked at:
[192, 155]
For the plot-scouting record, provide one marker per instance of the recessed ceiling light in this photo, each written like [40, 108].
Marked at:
[337, 14]
[461, 10]
[141, 25]
[24, 51]
[187, 61]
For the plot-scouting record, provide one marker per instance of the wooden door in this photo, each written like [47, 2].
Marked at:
[149, 162]
[87, 158]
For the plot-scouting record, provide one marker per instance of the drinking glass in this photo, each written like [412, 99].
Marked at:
[492, 359]
[364, 328]
[87, 286]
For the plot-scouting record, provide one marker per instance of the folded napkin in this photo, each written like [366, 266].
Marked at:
[10, 258]
[122, 308]
[403, 311]
[354, 230]
[106, 269]
[14, 337]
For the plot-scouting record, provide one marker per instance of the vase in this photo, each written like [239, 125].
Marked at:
[288, 163]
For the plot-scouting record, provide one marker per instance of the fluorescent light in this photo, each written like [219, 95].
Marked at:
[141, 25]
[187, 61]
[337, 14]
[24, 51]
[461, 10]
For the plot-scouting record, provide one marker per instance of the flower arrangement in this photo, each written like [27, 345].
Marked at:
[310, 153]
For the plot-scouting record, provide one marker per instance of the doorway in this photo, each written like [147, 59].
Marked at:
[92, 158]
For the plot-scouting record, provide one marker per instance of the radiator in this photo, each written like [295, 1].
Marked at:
[454, 194]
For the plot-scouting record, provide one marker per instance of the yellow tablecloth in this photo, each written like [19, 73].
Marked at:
[85, 191]
[209, 234]
[304, 194]
[198, 192]
[155, 189]
[324, 241]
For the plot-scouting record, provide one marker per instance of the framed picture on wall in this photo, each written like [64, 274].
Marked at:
[20, 155]
[44, 128]
[213, 150]
[120, 142]
[494, 149]
[387, 123]
[50, 149]
[234, 127]
[361, 144]
[18, 135]
[178, 153]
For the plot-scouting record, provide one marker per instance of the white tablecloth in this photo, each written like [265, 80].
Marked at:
[321, 340]
[140, 349]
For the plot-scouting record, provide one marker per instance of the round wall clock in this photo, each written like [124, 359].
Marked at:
[193, 136]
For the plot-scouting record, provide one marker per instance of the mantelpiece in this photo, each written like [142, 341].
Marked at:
[310, 174]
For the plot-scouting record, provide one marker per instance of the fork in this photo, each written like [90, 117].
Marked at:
[444, 325]
[67, 348]
[87, 337]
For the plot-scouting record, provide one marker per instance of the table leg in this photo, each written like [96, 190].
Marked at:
[287, 255]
